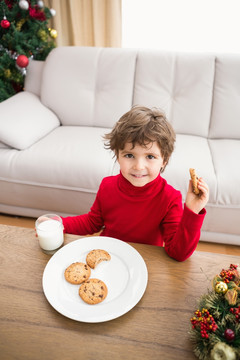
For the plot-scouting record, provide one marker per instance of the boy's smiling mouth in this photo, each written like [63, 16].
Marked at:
[139, 176]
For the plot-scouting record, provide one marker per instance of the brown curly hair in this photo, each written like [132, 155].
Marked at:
[142, 125]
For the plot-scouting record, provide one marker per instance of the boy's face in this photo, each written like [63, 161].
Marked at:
[141, 164]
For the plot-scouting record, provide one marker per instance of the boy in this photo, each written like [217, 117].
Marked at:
[138, 205]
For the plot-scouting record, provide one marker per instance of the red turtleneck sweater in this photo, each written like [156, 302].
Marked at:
[152, 214]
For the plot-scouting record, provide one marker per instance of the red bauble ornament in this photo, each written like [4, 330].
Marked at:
[229, 334]
[22, 61]
[5, 24]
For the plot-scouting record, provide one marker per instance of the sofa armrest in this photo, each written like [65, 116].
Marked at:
[25, 120]
[33, 79]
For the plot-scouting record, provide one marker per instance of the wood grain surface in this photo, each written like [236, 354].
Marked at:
[156, 328]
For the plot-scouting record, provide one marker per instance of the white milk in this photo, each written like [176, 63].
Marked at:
[50, 234]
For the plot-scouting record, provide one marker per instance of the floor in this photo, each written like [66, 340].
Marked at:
[202, 246]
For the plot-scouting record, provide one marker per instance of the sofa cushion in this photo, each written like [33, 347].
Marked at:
[95, 93]
[68, 157]
[226, 99]
[215, 160]
[62, 172]
[225, 154]
[4, 146]
[35, 120]
[180, 84]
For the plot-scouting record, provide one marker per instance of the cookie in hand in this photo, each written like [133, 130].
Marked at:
[194, 179]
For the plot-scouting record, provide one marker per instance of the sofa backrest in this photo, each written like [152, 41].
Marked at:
[180, 84]
[88, 86]
[92, 86]
[225, 119]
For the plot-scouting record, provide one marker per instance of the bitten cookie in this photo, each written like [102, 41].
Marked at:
[93, 291]
[194, 178]
[96, 256]
[77, 272]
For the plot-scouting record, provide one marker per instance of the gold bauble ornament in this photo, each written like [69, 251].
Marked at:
[222, 351]
[221, 288]
[53, 33]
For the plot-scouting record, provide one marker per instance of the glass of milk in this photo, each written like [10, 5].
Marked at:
[49, 229]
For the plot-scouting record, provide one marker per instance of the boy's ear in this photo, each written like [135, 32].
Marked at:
[163, 167]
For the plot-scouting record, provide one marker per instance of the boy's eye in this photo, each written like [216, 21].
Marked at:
[151, 157]
[128, 156]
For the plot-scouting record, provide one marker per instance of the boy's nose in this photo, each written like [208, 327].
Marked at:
[139, 164]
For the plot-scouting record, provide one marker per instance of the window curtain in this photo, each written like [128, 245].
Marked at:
[87, 22]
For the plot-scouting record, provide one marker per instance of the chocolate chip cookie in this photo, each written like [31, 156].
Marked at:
[93, 291]
[77, 272]
[96, 256]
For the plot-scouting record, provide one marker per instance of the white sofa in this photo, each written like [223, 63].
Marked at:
[52, 155]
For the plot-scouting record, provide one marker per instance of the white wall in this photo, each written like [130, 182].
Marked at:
[182, 25]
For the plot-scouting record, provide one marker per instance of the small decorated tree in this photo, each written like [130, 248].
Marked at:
[24, 35]
[216, 323]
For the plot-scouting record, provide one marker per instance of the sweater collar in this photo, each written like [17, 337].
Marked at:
[150, 189]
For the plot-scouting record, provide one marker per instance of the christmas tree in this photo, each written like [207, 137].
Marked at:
[24, 35]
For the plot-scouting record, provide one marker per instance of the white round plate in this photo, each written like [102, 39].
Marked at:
[125, 275]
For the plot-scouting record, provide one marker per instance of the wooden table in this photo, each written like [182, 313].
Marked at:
[156, 328]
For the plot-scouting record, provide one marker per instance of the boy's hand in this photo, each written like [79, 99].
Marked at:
[197, 202]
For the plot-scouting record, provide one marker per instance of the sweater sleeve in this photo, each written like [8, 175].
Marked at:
[181, 242]
[85, 224]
